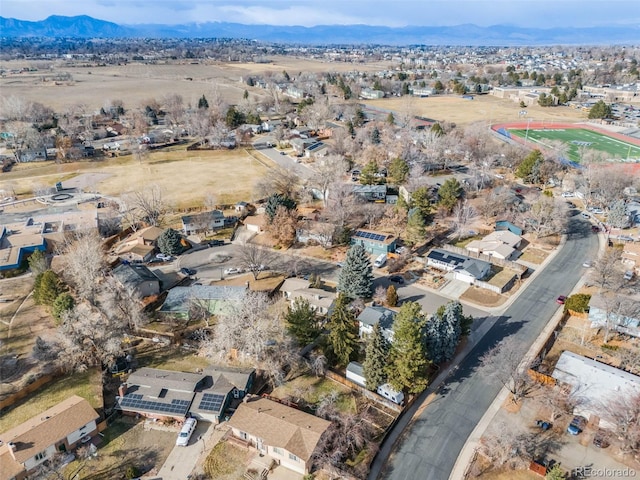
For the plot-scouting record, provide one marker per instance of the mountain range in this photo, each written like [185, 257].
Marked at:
[84, 26]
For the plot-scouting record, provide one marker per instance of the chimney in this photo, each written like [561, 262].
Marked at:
[122, 389]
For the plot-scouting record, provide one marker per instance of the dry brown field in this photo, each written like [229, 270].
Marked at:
[136, 83]
[483, 108]
[185, 178]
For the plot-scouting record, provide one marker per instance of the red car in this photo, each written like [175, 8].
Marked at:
[561, 299]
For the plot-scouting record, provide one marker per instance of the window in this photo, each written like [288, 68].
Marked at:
[40, 456]
[293, 457]
[278, 451]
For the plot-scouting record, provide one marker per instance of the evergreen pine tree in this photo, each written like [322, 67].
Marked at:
[416, 229]
[169, 242]
[46, 288]
[276, 200]
[38, 262]
[392, 296]
[203, 103]
[407, 368]
[375, 136]
[449, 193]
[356, 278]
[368, 174]
[61, 304]
[443, 332]
[376, 351]
[343, 331]
[302, 321]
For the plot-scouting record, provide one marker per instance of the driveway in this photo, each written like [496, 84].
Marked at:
[182, 460]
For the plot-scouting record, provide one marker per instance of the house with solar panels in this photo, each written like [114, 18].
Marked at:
[374, 242]
[464, 268]
[165, 394]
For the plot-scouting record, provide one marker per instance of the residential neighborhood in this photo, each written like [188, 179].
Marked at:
[303, 273]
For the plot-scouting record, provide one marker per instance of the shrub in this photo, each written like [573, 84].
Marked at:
[132, 472]
[611, 348]
[578, 303]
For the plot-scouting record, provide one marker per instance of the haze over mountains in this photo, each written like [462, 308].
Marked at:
[87, 27]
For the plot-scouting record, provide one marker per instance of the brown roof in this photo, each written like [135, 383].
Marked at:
[150, 233]
[280, 426]
[50, 427]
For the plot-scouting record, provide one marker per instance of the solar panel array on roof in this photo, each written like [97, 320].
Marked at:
[370, 236]
[212, 402]
[135, 401]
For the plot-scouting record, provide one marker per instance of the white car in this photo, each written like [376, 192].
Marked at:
[567, 194]
[162, 256]
[187, 430]
[232, 271]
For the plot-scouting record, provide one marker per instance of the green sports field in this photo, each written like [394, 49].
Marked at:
[574, 138]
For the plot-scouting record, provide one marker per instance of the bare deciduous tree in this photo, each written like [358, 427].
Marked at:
[623, 412]
[504, 363]
[505, 446]
[151, 205]
[544, 217]
[254, 258]
[279, 180]
[85, 261]
[463, 213]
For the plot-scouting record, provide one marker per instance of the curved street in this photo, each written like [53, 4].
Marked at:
[436, 433]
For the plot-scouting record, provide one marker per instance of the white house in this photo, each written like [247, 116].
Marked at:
[58, 429]
[594, 384]
[287, 435]
[464, 268]
[500, 244]
[320, 300]
[202, 222]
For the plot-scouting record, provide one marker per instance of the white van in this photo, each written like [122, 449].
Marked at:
[187, 430]
[380, 261]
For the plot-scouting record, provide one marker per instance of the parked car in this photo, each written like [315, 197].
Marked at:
[571, 205]
[601, 439]
[543, 425]
[187, 430]
[587, 264]
[187, 271]
[628, 275]
[256, 268]
[561, 299]
[162, 256]
[232, 271]
[568, 194]
[396, 279]
[595, 229]
[577, 425]
[585, 215]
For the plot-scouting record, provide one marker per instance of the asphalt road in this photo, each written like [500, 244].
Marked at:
[285, 161]
[429, 447]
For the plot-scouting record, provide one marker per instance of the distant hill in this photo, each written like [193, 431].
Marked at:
[87, 27]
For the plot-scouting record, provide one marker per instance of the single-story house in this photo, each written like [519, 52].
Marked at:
[313, 231]
[138, 278]
[355, 373]
[286, 434]
[320, 300]
[166, 394]
[148, 235]
[137, 253]
[372, 315]
[623, 314]
[370, 193]
[500, 244]
[374, 242]
[464, 268]
[318, 149]
[255, 223]
[594, 384]
[300, 144]
[58, 429]
[202, 222]
[181, 301]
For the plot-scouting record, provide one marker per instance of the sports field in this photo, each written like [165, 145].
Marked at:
[574, 138]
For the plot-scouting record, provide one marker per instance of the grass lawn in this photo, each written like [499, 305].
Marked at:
[226, 461]
[574, 138]
[87, 384]
[169, 358]
[312, 389]
[534, 255]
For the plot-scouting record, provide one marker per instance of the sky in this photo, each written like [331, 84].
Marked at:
[393, 13]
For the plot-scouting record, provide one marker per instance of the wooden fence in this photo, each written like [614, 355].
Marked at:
[28, 389]
[336, 377]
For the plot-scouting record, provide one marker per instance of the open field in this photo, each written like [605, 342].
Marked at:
[574, 138]
[483, 108]
[136, 83]
[184, 177]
